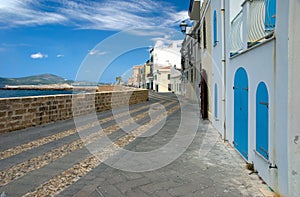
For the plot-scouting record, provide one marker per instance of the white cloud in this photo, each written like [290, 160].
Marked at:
[60, 56]
[97, 52]
[26, 12]
[102, 15]
[38, 56]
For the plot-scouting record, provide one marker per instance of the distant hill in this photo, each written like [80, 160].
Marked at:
[34, 80]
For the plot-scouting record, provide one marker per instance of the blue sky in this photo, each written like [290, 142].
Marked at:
[81, 39]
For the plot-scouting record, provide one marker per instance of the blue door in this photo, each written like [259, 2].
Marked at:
[241, 112]
[262, 120]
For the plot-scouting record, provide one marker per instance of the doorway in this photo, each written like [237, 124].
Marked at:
[241, 112]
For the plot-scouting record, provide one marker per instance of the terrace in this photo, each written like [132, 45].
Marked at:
[253, 25]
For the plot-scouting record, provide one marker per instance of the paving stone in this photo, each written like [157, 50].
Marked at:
[162, 193]
[129, 185]
[109, 190]
[185, 189]
[156, 186]
[136, 193]
[221, 172]
[86, 191]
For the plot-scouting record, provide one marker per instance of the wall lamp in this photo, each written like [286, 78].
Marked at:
[183, 25]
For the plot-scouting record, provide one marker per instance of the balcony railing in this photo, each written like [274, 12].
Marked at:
[236, 37]
[256, 21]
[254, 24]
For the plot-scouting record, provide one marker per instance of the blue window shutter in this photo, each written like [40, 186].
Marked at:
[216, 101]
[215, 27]
[262, 120]
[270, 17]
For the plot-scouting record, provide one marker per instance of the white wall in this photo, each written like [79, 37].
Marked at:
[294, 98]
[235, 8]
[217, 71]
[259, 65]
[167, 55]
[162, 80]
[281, 94]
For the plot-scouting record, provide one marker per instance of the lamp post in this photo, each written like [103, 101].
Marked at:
[183, 25]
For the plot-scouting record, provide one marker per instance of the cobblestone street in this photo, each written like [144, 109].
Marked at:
[56, 159]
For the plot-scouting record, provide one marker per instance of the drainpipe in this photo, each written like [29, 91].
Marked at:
[224, 64]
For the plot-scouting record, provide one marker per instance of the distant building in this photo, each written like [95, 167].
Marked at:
[137, 76]
[162, 79]
[175, 80]
[145, 72]
[130, 81]
[163, 56]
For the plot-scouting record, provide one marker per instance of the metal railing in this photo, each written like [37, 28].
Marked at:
[236, 36]
[257, 28]
[256, 20]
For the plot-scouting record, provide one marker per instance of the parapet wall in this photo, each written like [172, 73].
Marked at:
[23, 112]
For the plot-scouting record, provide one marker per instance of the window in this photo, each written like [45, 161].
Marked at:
[169, 87]
[215, 28]
[192, 75]
[216, 101]
[187, 75]
[169, 76]
[204, 34]
[270, 14]
[262, 120]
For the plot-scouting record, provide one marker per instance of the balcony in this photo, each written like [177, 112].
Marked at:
[150, 76]
[194, 10]
[253, 25]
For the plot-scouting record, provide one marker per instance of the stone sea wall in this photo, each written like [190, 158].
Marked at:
[23, 112]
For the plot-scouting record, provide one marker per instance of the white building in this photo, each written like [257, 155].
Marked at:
[163, 56]
[175, 80]
[252, 79]
[162, 79]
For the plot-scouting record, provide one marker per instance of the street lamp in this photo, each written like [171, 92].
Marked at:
[183, 25]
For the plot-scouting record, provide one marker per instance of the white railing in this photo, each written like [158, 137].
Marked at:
[248, 28]
[256, 20]
[236, 35]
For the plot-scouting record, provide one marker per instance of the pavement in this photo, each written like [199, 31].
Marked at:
[161, 148]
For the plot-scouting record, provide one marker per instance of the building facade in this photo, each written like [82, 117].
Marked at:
[164, 56]
[249, 64]
[137, 76]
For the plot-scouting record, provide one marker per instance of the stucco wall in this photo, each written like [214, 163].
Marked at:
[217, 70]
[207, 59]
[294, 104]
[259, 69]
[23, 112]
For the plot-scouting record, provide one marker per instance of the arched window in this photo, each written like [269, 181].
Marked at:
[215, 28]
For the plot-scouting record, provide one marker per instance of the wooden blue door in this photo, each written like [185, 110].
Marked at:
[241, 112]
[262, 120]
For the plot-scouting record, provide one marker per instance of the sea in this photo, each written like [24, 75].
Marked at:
[23, 93]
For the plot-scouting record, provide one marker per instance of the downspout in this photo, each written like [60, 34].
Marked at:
[224, 64]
